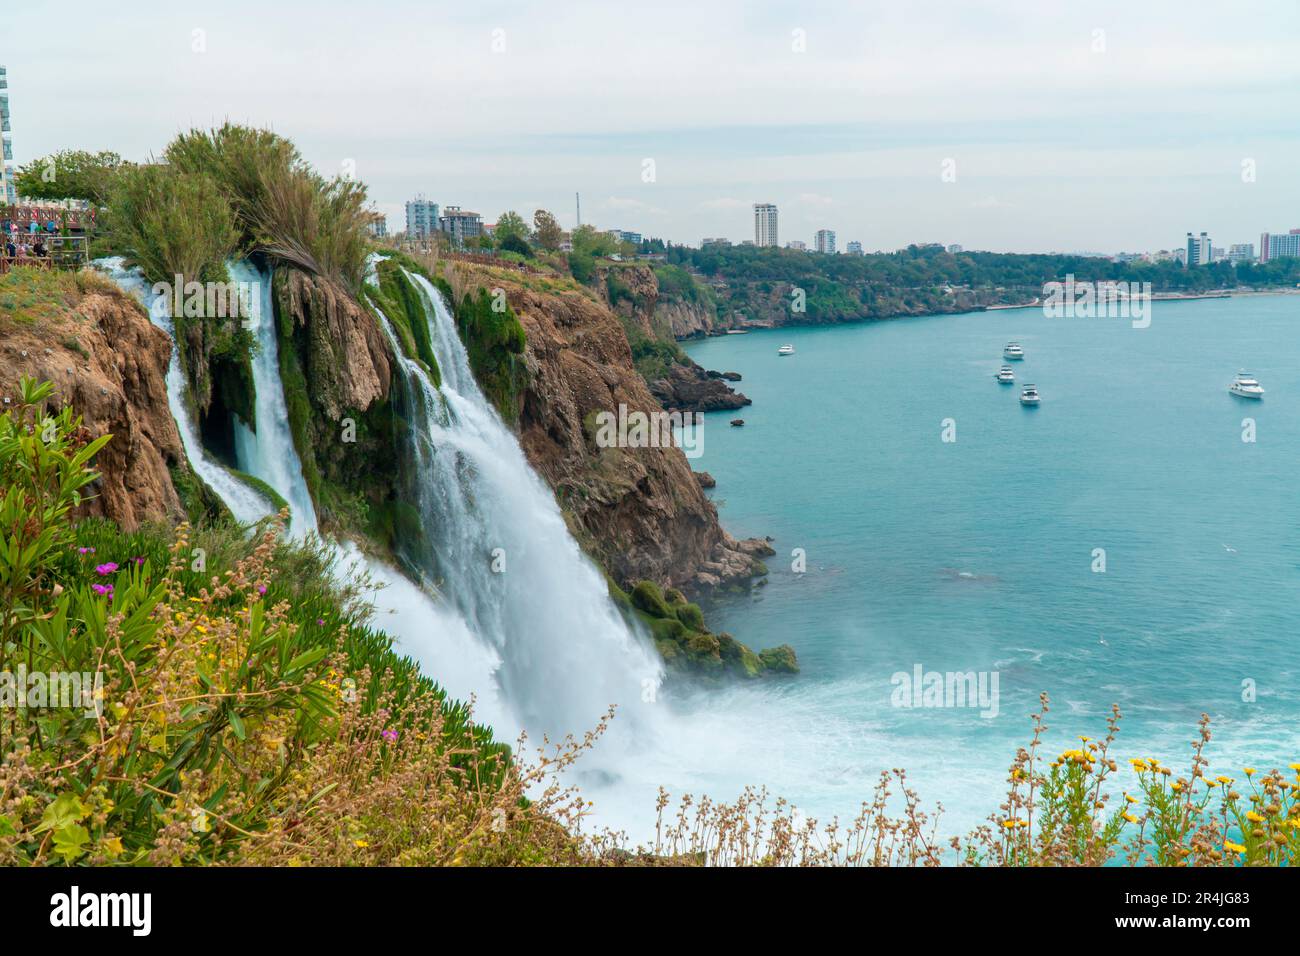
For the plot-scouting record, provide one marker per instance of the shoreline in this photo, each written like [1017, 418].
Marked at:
[999, 307]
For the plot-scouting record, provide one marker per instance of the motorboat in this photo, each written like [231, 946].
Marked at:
[1005, 375]
[1029, 395]
[1246, 387]
[1013, 352]
[785, 350]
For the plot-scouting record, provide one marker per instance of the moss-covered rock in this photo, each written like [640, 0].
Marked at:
[647, 597]
[779, 660]
[690, 615]
[687, 646]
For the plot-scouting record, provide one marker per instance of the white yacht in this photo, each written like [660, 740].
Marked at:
[1246, 387]
[1013, 352]
[1029, 395]
[785, 350]
[1005, 375]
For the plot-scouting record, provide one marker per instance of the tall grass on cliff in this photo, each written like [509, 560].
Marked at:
[234, 709]
[284, 208]
[169, 222]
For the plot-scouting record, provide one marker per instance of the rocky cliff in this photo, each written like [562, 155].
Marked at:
[110, 363]
[640, 511]
[655, 311]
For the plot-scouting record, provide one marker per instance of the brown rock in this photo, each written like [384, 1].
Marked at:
[117, 383]
[640, 511]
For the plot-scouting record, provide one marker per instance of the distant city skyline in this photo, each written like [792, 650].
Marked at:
[1110, 127]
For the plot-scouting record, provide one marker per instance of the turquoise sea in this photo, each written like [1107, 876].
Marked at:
[979, 554]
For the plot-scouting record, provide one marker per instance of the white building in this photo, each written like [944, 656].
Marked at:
[824, 241]
[1241, 252]
[421, 218]
[854, 248]
[765, 224]
[1199, 251]
[714, 242]
[797, 244]
[1274, 245]
[954, 249]
[8, 192]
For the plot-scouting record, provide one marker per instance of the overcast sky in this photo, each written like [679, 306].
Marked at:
[1071, 126]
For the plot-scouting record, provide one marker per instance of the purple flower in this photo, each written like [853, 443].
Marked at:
[104, 570]
[390, 735]
[102, 589]
[138, 560]
[261, 589]
[85, 551]
[320, 621]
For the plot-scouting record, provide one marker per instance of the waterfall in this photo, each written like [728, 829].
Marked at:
[266, 451]
[498, 549]
[510, 613]
[244, 503]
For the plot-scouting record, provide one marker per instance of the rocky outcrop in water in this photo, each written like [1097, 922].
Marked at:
[689, 388]
[110, 363]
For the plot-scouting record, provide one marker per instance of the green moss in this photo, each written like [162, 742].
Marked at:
[691, 616]
[262, 488]
[495, 342]
[647, 597]
[779, 660]
[403, 305]
[201, 504]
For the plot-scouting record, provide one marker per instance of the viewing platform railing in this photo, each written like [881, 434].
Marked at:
[59, 252]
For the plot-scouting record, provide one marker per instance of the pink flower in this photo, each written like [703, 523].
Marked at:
[138, 560]
[85, 551]
[261, 589]
[102, 589]
[390, 735]
[104, 570]
[320, 621]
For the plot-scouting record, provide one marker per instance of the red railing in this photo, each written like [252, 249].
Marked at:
[23, 216]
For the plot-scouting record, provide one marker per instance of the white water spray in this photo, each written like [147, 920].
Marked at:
[500, 553]
[245, 504]
[266, 451]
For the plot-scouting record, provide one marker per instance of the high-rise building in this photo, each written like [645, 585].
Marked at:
[421, 218]
[854, 248]
[824, 241]
[765, 224]
[1274, 245]
[460, 224]
[1198, 250]
[8, 192]
[1241, 252]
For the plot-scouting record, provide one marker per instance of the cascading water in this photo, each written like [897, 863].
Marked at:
[244, 503]
[266, 451]
[500, 553]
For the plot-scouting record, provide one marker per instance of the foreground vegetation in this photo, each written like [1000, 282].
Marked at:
[243, 711]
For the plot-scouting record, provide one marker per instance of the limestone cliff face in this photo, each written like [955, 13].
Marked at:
[345, 356]
[110, 363]
[641, 511]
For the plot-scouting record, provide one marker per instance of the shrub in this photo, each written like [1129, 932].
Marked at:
[241, 710]
[169, 221]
